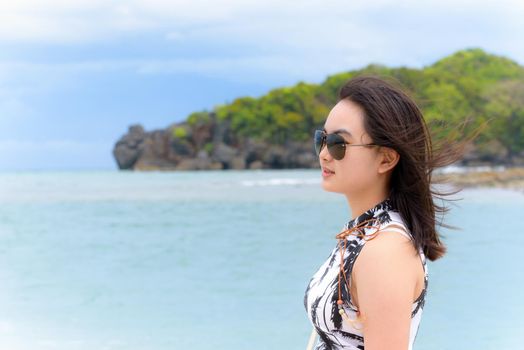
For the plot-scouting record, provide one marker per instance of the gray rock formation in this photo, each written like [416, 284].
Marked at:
[129, 148]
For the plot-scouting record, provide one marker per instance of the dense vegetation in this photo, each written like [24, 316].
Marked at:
[468, 84]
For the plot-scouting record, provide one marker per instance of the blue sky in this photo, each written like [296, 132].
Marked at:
[75, 74]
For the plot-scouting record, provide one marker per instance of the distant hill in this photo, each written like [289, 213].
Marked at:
[275, 130]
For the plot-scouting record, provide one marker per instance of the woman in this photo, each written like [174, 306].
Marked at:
[375, 149]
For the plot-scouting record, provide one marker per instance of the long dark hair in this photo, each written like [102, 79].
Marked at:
[393, 119]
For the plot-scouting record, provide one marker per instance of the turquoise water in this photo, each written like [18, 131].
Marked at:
[202, 260]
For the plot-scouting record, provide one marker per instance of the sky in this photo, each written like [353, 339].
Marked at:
[74, 75]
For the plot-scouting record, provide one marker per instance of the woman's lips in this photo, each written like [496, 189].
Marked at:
[327, 172]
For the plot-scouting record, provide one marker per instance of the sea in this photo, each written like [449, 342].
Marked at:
[109, 259]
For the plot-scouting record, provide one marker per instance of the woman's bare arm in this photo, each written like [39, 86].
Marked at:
[385, 276]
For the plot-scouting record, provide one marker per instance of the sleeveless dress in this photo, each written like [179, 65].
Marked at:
[320, 299]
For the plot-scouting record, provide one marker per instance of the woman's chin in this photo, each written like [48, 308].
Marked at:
[327, 186]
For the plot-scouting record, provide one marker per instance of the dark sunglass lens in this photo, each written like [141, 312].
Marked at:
[319, 141]
[336, 146]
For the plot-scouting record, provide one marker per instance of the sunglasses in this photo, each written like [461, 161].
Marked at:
[336, 144]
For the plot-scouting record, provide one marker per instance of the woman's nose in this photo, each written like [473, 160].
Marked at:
[324, 154]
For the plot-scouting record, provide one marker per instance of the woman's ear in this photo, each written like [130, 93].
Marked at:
[388, 159]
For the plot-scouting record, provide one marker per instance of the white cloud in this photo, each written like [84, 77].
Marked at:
[251, 41]
[300, 39]
[234, 68]
[82, 20]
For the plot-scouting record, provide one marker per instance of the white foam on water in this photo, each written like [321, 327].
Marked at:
[280, 182]
[455, 169]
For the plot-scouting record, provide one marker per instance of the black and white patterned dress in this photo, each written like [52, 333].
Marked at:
[320, 299]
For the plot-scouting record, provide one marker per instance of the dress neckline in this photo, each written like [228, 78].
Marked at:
[380, 207]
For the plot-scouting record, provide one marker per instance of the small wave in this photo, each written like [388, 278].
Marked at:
[455, 169]
[280, 182]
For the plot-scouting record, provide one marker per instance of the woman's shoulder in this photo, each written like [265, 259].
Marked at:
[392, 240]
[394, 222]
[389, 253]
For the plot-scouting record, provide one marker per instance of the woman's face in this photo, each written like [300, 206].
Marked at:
[358, 170]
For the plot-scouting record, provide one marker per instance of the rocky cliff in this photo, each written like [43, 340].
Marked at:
[204, 146]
